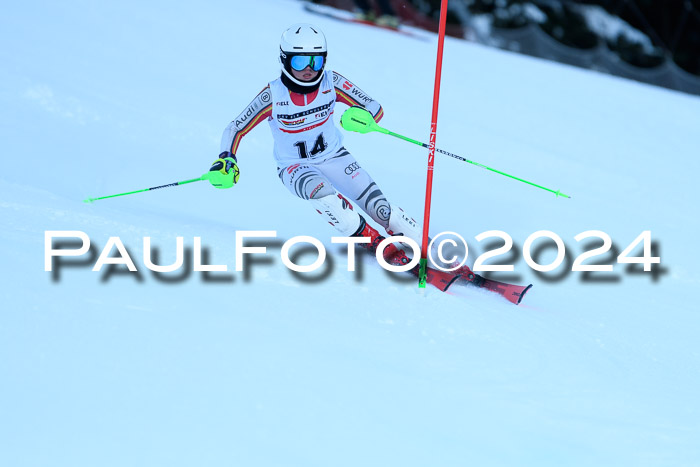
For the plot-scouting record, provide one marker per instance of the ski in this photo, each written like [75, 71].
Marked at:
[511, 292]
[440, 279]
[443, 280]
[346, 16]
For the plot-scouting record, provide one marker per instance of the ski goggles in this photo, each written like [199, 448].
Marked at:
[300, 62]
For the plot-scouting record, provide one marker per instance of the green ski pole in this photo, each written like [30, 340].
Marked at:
[359, 120]
[184, 182]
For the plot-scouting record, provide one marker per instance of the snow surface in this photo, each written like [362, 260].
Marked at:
[96, 369]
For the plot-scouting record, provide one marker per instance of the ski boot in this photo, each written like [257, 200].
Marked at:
[467, 274]
[392, 254]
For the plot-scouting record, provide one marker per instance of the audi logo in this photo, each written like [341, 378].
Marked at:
[351, 168]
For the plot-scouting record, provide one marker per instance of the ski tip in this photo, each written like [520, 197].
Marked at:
[522, 294]
[88, 200]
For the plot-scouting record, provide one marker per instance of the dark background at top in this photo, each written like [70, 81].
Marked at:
[673, 26]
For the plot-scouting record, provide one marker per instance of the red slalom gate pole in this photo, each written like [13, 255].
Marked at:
[431, 147]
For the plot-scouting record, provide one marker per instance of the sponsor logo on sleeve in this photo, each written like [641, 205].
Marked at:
[243, 118]
[360, 95]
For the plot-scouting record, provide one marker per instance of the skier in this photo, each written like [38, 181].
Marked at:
[311, 160]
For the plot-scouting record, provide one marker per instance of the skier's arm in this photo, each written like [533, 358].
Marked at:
[347, 93]
[258, 110]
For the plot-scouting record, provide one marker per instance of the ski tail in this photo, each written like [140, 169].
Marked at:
[512, 293]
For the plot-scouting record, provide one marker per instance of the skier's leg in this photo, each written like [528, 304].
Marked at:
[352, 180]
[357, 185]
[304, 181]
[341, 214]
[402, 224]
[307, 182]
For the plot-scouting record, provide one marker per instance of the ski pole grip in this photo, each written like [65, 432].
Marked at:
[359, 120]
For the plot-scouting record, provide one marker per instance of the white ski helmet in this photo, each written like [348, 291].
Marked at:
[303, 40]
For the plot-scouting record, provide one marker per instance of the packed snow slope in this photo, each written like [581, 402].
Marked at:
[350, 369]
